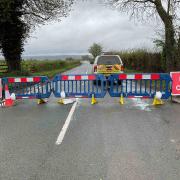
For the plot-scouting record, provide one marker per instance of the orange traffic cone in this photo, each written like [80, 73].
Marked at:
[8, 101]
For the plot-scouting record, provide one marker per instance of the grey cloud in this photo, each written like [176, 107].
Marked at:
[90, 22]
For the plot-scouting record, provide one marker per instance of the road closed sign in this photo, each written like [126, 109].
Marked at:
[176, 83]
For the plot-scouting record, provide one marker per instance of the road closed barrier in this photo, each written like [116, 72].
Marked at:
[175, 86]
[140, 86]
[79, 86]
[176, 83]
[28, 87]
[157, 86]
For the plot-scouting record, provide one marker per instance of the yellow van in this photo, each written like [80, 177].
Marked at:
[107, 65]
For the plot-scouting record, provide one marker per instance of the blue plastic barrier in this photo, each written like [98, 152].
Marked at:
[29, 87]
[80, 86]
[140, 85]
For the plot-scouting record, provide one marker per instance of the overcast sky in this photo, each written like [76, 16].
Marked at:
[87, 23]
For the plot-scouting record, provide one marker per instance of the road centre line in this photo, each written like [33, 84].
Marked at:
[66, 125]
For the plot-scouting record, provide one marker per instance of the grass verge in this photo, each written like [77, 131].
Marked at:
[52, 73]
[43, 68]
[132, 71]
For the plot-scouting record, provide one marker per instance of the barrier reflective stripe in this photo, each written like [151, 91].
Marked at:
[78, 77]
[139, 76]
[82, 86]
[140, 85]
[38, 87]
[24, 80]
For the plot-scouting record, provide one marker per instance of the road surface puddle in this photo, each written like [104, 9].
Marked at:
[141, 104]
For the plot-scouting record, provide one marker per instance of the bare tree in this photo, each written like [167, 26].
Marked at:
[41, 11]
[167, 11]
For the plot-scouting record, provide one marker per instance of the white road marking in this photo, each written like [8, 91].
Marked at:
[66, 125]
[172, 140]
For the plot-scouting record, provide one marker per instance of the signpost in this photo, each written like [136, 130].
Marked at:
[175, 85]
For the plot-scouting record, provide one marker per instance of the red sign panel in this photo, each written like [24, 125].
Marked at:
[176, 83]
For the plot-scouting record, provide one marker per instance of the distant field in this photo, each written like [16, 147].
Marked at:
[44, 68]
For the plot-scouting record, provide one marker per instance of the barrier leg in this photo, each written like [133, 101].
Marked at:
[122, 99]
[93, 100]
[66, 101]
[2, 103]
[157, 101]
[41, 101]
[61, 101]
[63, 96]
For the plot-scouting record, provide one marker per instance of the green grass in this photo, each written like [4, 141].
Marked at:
[43, 68]
[131, 71]
[52, 73]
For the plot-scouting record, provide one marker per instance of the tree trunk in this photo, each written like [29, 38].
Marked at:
[169, 46]
[12, 56]
[14, 64]
[169, 36]
[12, 46]
[178, 54]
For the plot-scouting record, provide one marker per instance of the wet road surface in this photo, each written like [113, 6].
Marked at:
[106, 141]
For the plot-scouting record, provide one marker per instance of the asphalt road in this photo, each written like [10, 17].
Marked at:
[106, 141]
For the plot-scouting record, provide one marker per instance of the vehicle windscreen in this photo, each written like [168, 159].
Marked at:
[108, 60]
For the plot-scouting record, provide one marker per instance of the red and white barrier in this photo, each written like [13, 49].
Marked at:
[78, 77]
[24, 80]
[139, 76]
